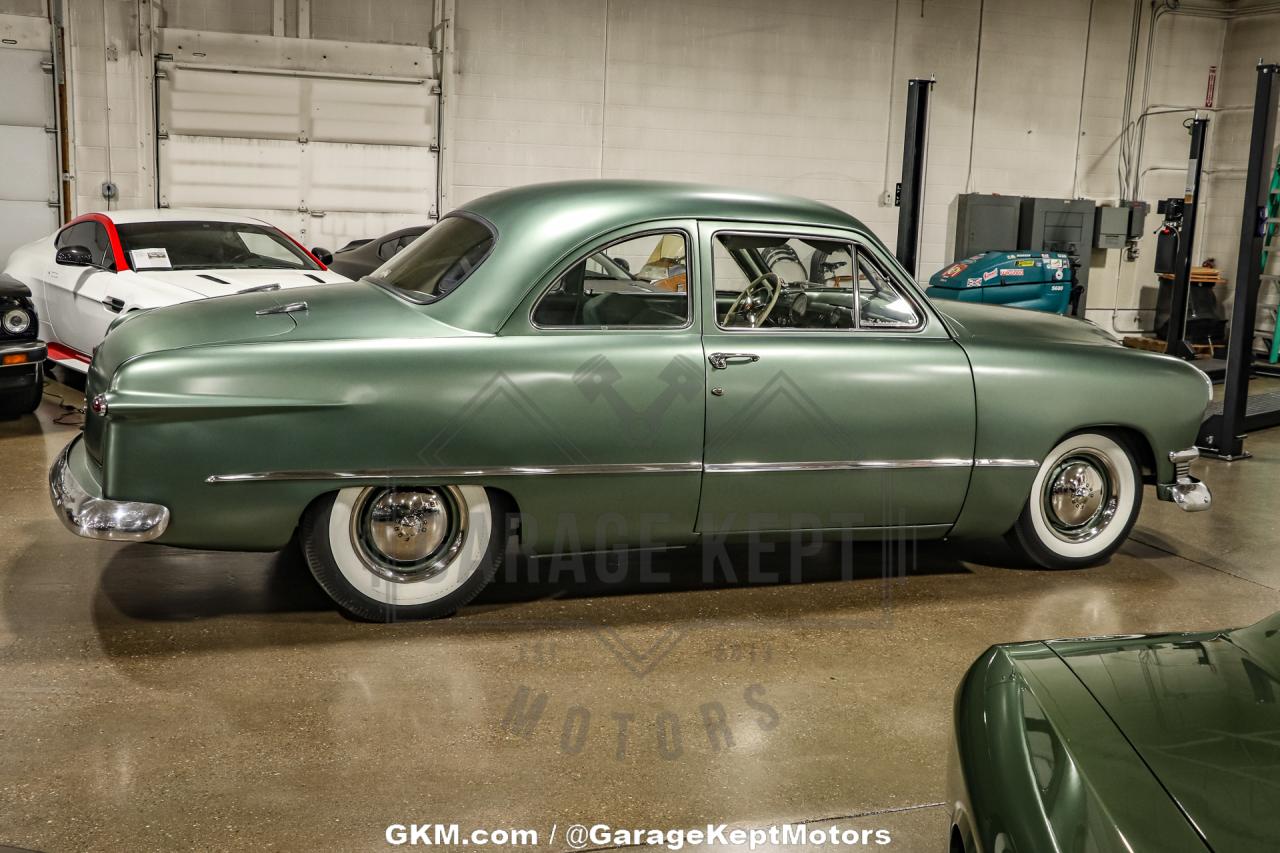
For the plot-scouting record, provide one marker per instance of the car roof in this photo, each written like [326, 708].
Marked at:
[177, 214]
[601, 205]
[539, 224]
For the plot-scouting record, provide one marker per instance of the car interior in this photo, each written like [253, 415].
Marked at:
[602, 291]
[773, 281]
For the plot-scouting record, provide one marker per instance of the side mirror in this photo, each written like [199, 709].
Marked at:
[74, 256]
[324, 256]
[622, 262]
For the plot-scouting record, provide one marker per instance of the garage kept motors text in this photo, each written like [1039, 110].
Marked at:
[599, 835]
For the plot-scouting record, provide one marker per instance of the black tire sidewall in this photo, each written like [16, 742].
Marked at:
[316, 548]
[23, 401]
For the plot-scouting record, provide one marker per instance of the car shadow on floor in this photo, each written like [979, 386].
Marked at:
[164, 584]
[153, 600]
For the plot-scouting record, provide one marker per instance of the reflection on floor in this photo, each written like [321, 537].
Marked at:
[164, 699]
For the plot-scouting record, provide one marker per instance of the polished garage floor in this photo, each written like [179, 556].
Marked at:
[155, 699]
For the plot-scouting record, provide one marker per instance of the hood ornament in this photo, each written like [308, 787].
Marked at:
[282, 309]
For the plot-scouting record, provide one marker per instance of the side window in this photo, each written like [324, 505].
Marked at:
[881, 305]
[639, 282]
[76, 235]
[101, 247]
[781, 282]
[93, 236]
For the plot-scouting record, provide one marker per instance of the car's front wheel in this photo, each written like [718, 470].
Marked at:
[386, 553]
[1083, 503]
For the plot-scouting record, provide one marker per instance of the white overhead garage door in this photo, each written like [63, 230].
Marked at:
[329, 156]
[28, 143]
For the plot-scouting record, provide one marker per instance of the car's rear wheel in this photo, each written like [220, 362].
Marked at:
[386, 553]
[1083, 503]
[23, 401]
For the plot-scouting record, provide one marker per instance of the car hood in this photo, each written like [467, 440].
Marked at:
[978, 321]
[223, 282]
[1203, 712]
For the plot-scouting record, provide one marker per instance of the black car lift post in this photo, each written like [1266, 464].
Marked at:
[1222, 435]
[910, 194]
[1176, 334]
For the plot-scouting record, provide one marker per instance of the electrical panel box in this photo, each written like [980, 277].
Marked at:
[1060, 225]
[1057, 225]
[1111, 227]
[1138, 211]
[986, 223]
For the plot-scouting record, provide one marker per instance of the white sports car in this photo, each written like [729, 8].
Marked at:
[101, 266]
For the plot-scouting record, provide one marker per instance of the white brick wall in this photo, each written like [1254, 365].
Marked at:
[805, 97]
[808, 97]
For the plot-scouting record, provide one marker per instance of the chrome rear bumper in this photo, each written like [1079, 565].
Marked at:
[95, 517]
[1188, 493]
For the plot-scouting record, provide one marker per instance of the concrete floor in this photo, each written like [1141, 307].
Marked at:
[155, 699]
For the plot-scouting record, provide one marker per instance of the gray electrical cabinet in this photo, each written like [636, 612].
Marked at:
[1111, 228]
[1057, 225]
[1061, 225]
[986, 223]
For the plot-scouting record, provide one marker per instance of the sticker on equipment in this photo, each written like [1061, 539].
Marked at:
[150, 259]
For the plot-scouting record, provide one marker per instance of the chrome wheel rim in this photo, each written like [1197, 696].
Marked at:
[407, 534]
[1081, 495]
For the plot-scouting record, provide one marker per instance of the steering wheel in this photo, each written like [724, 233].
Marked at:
[756, 294]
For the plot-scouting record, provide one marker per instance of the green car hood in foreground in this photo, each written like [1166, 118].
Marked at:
[1201, 711]
[1163, 742]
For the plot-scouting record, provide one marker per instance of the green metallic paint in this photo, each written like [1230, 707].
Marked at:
[832, 395]
[1203, 712]
[366, 380]
[1039, 766]
[1039, 377]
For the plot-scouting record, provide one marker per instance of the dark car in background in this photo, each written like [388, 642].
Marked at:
[361, 257]
[22, 354]
[1165, 742]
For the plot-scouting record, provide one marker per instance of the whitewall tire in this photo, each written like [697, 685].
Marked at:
[1083, 502]
[386, 553]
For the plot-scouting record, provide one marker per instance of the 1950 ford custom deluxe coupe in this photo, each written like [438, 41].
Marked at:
[616, 363]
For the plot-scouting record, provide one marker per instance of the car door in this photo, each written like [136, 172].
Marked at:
[841, 402]
[84, 300]
[602, 377]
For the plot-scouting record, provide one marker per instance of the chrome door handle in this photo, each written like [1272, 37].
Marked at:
[721, 360]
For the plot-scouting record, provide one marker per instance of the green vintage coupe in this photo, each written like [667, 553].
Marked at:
[613, 363]
[1167, 742]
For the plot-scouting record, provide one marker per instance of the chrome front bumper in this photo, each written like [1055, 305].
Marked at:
[1188, 493]
[95, 517]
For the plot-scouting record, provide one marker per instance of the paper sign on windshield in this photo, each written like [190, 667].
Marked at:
[150, 259]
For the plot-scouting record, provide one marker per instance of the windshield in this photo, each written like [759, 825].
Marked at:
[438, 261]
[210, 246]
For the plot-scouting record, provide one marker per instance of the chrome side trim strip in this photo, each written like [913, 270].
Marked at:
[653, 468]
[847, 465]
[450, 473]
[1006, 463]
